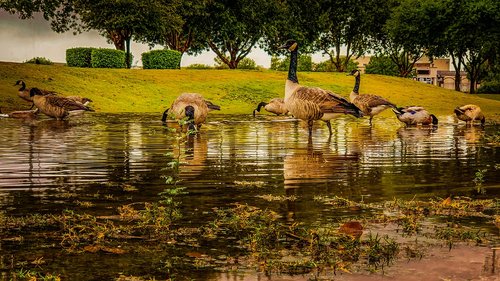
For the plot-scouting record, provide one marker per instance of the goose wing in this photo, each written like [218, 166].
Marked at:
[373, 100]
[327, 101]
[65, 103]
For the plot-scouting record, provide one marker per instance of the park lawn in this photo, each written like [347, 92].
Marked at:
[236, 91]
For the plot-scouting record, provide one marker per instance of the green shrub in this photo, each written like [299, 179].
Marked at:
[489, 87]
[324, 66]
[161, 59]
[304, 63]
[108, 58]
[382, 65]
[247, 63]
[39, 60]
[199, 66]
[79, 57]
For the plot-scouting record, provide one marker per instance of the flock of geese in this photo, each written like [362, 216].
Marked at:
[49, 103]
[304, 103]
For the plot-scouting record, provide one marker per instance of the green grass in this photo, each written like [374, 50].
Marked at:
[236, 91]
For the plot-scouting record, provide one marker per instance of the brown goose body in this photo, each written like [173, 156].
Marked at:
[191, 105]
[82, 100]
[55, 106]
[276, 106]
[469, 113]
[414, 115]
[371, 105]
[310, 103]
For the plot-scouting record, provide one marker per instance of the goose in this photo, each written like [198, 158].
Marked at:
[413, 115]
[193, 106]
[371, 105]
[310, 103]
[469, 113]
[25, 114]
[78, 99]
[55, 106]
[276, 106]
[24, 92]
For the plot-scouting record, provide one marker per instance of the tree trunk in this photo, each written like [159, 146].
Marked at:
[128, 61]
[458, 67]
[117, 38]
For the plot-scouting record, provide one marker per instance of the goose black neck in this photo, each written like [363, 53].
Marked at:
[356, 85]
[23, 86]
[292, 70]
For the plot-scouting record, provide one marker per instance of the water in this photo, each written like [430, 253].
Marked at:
[47, 166]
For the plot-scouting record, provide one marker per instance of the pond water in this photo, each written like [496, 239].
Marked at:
[47, 166]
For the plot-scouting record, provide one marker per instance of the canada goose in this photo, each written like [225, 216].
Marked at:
[25, 114]
[413, 115]
[82, 100]
[276, 106]
[54, 106]
[24, 92]
[308, 103]
[469, 113]
[193, 106]
[371, 105]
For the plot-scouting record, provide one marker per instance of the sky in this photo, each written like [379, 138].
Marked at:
[22, 40]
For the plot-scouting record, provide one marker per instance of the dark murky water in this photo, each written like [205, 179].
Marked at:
[233, 159]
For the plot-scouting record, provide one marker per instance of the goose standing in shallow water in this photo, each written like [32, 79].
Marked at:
[469, 113]
[371, 105]
[55, 106]
[414, 115]
[308, 103]
[193, 106]
[276, 106]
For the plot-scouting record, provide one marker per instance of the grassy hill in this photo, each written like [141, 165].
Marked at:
[236, 91]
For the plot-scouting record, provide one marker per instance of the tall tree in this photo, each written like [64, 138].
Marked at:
[408, 33]
[350, 24]
[184, 35]
[233, 27]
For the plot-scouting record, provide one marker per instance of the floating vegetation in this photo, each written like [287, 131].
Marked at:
[280, 198]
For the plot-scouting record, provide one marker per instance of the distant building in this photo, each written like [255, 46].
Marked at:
[436, 72]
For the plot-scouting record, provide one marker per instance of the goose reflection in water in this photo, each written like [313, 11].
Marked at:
[310, 166]
[193, 154]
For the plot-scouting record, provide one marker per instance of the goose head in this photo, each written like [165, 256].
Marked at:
[20, 82]
[434, 119]
[290, 45]
[35, 91]
[211, 106]
[189, 111]
[354, 73]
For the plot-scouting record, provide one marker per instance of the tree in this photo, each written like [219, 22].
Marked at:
[350, 24]
[233, 27]
[118, 20]
[184, 35]
[409, 33]
[382, 65]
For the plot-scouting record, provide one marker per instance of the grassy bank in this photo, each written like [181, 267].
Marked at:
[236, 91]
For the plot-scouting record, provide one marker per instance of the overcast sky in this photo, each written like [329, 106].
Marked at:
[22, 40]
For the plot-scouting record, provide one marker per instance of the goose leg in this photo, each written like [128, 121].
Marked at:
[310, 127]
[371, 117]
[329, 125]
